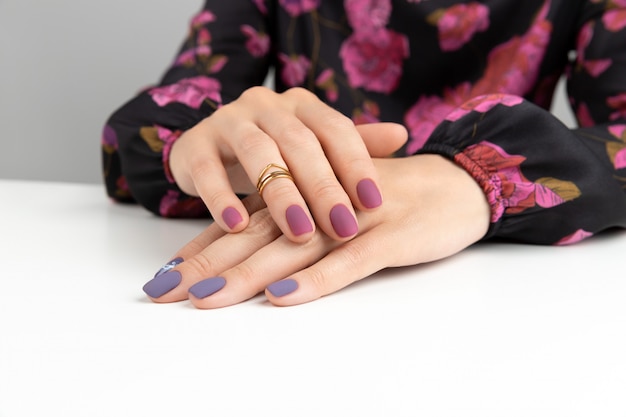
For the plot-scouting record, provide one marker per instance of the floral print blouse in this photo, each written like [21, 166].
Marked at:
[471, 80]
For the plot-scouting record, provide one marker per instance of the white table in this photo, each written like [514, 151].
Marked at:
[499, 330]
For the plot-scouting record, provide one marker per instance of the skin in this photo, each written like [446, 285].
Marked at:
[294, 130]
[444, 212]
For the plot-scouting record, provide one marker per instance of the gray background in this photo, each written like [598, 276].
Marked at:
[67, 64]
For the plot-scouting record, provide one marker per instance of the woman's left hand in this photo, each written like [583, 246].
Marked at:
[433, 209]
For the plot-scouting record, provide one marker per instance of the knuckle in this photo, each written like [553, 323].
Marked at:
[200, 265]
[251, 142]
[318, 282]
[261, 224]
[280, 189]
[300, 94]
[338, 121]
[254, 93]
[326, 187]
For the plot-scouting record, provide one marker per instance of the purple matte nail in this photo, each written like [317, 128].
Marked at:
[343, 221]
[368, 193]
[207, 287]
[231, 217]
[284, 287]
[171, 264]
[162, 284]
[298, 221]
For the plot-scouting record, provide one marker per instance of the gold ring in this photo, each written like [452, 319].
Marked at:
[266, 176]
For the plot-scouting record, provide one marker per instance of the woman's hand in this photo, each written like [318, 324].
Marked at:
[325, 153]
[433, 210]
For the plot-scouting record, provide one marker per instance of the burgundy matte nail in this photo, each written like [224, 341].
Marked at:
[168, 266]
[343, 221]
[283, 287]
[162, 284]
[231, 217]
[207, 287]
[368, 193]
[298, 221]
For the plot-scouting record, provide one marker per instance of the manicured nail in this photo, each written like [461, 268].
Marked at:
[170, 265]
[298, 221]
[162, 284]
[207, 287]
[368, 193]
[231, 217]
[284, 287]
[343, 221]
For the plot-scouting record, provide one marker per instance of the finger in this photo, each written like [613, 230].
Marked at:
[255, 151]
[383, 139]
[313, 174]
[251, 204]
[344, 148]
[270, 263]
[277, 136]
[346, 264]
[204, 175]
[220, 255]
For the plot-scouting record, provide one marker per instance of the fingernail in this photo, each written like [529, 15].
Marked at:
[284, 287]
[171, 264]
[231, 217]
[162, 284]
[298, 221]
[368, 193]
[207, 287]
[343, 221]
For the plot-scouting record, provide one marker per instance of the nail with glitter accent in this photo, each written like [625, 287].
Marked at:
[168, 266]
[207, 287]
[231, 217]
[343, 221]
[368, 194]
[282, 288]
[162, 284]
[298, 221]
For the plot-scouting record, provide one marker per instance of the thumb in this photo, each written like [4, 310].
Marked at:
[383, 139]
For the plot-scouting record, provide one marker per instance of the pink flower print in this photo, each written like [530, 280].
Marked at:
[367, 14]
[575, 237]
[617, 102]
[483, 104]
[297, 7]
[188, 57]
[583, 115]
[326, 81]
[204, 37]
[593, 67]
[458, 24]
[373, 59]
[260, 4]
[258, 43]
[618, 131]
[294, 69]
[507, 189]
[168, 137]
[189, 91]
[428, 112]
[597, 66]
[202, 18]
[615, 19]
[513, 67]
[174, 205]
[617, 151]
[109, 139]
[620, 159]
[369, 113]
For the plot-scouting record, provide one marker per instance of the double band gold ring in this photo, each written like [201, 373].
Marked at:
[267, 175]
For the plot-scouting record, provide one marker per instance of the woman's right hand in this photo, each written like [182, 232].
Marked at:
[328, 157]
